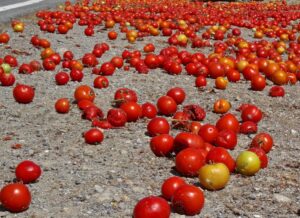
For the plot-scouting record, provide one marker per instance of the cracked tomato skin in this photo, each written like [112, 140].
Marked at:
[152, 206]
[117, 117]
[195, 112]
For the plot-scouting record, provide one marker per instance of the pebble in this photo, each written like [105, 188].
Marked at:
[294, 132]
[99, 189]
[281, 198]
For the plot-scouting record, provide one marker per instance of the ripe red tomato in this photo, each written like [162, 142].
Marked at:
[101, 82]
[170, 185]
[188, 200]
[152, 206]
[263, 140]
[62, 105]
[68, 55]
[258, 83]
[117, 61]
[157, 126]
[92, 112]
[189, 161]
[117, 117]
[112, 35]
[228, 121]
[15, 197]
[216, 70]
[23, 93]
[62, 78]
[84, 92]
[177, 93]
[248, 127]
[162, 145]
[93, 136]
[251, 113]
[187, 140]
[276, 91]
[7, 79]
[133, 110]
[149, 110]
[151, 61]
[200, 81]
[226, 138]
[107, 69]
[208, 133]
[76, 75]
[27, 171]
[262, 156]
[166, 105]
[84, 103]
[125, 94]
[221, 155]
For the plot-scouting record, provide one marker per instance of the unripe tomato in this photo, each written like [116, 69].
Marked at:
[247, 163]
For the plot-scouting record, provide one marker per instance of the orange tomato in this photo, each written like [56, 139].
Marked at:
[279, 77]
[222, 106]
[221, 82]
[84, 92]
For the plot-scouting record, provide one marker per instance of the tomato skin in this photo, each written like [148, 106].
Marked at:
[263, 140]
[221, 155]
[117, 117]
[133, 110]
[226, 138]
[157, 126]
[101, 82]
[188, 200]
[149, 110]
[62, 105]
[189, 161]
[7, 79]
[251, 113]
[177, 93]
[208, 133]
[248, 163]
[187, 140]
[276, 91]
[93, 136]
[258, 83]
[248, 127]
[27, 171]
[125, 94]
[62, 78]
[170, 185]
[15, 197]
[162, 145]
[228, 121]
[262, 156]
[23, 93]
[166, 105]
[152, 206]
[84, 92]
[76, 75]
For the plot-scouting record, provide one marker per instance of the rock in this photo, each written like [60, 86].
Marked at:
[99, 189]
[281, 198]
[294, 132]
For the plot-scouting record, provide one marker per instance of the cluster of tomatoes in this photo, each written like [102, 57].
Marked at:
[16, 197]
[200, 150]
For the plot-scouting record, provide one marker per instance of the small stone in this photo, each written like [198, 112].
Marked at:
[257, 216]
[294, 132]
[281, 198]
[99, 189]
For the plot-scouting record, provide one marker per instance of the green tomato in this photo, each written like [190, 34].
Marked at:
[6, 67]
[247, 163]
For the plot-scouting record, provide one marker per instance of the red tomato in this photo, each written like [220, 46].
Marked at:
[226, 138]
[125, 94]
[262, 156]
[133, 110]
[83, 104]
[62, 105]
[258, 83]
[149, 110]
[187, 140]
[62, 78]
[251, 113]
[157, 126]
[200, 81]
[117, 117]
[208, 133]
[228, 121]
[221, 155]
[216, 70]
[107, 69]
[152, 206]
[93, 136]
[23, 93]
[92, 112]
[170, 185]
[177, 93]
[27, 171]
[166, 105]
[117, 62]
[15, 197]
[248, 127]
[7, 79]
[189, 161]
[151, 61]
[188, 200]
[263, 140]
[84, 92]
[276, 91]
[76, 75]
[101, 82]
[162, 145]
[103, 124]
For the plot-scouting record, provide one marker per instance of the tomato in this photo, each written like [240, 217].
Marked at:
[263, 140]
[208, 133]
[180, 120]
[221, 155]
[247, 163]
[195, 112]
[84, 92]
[200, 81]
[262, 156]
[84, 103]
[92, 112]
[226, 138]
[166, 105]
[258, 83]
[188, 200]
[15, 197]
[276, 91]
[149, 110]
[251, 113]
[112, 35]
[62, 105]
[62, 78]
[76, 75]
[187, 140]
[214, 176]
[189, 160]
[216, 70]
[27, 171]
[125, 94]
[157, 126]
[89, 60]
[25, 69]
[23, 93]
[7, 79]
[170, 185]
[101, 82]
[117, 61]
[117, 117]
[177, 93]
[221, 83]
[151, 61]
[152, 206]
[162, 145]
[248, 127]
[222, 106]
[228, 121]
[250, 71]
[133, 110]
[194, 127]
[107, 69]
[68, 55]
[93, 136]
[233, 75]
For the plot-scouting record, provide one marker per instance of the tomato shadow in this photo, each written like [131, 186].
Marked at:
[2, 209]
[174, 172]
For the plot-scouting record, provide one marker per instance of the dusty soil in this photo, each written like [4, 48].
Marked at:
[107, 180]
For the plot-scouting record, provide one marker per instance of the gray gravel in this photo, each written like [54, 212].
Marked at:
[107, 180]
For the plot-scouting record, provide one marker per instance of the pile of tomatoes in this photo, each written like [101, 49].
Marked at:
[271, 60]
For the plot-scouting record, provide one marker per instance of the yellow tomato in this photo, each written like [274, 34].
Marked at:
[247, 163]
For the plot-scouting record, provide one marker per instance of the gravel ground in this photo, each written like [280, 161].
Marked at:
[107, 180]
